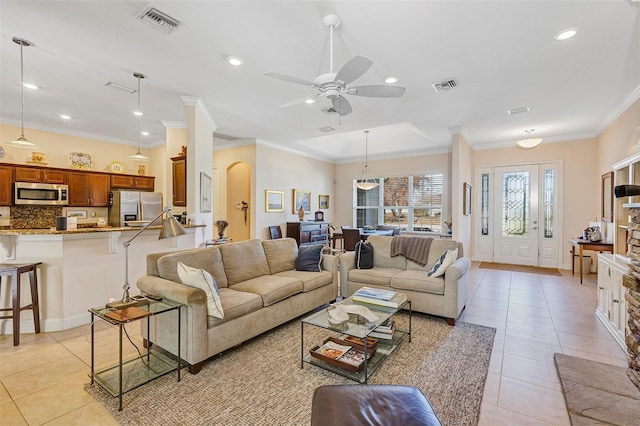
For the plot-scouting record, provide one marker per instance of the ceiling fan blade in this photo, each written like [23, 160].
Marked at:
[353, 69]
[298, 101]
[378, 91]
[289, 78]
[341, 105]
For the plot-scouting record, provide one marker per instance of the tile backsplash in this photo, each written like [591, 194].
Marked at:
[34, 217]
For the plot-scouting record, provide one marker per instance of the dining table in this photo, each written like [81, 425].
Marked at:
[364, 233]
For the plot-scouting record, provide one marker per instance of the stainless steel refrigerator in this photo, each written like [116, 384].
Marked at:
[134, 208]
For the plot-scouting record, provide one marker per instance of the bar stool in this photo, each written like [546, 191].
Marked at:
[15, 270]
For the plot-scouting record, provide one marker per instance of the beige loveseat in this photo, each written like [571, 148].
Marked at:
[259, 289]
[444, 296]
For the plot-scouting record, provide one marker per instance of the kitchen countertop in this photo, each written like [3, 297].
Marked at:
[53, 231]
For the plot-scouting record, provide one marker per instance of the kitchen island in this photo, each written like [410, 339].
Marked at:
[81, 268]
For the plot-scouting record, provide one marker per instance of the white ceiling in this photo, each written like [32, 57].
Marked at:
[502, 54]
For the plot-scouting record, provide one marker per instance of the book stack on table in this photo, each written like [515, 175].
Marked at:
[384, 330]
[381, 297]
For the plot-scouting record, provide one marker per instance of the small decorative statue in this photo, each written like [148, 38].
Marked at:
[221, 225]
[301, 214]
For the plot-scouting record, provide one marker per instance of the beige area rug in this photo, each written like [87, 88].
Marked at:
[597, 393]
[520, 268]
[261, 383]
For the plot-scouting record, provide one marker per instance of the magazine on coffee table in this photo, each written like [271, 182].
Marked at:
[333, 350]
[354, 357]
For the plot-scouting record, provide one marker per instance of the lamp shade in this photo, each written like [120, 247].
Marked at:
[170, 227]
[529, 141]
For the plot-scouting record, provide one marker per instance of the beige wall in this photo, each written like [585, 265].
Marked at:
[461, 172]
[346, 173]
[619, 140]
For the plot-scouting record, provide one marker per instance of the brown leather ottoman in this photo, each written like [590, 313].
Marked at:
[383, 405]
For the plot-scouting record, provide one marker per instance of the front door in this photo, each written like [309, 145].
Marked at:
[516, 215]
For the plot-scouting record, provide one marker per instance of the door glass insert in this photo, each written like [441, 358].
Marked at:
[484, 209]
[515, 204]
[548, 203]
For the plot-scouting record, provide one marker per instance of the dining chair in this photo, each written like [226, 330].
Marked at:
[396, 231]
[275, 232]
[350, 238]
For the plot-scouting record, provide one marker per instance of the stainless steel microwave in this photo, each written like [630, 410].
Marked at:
[41, 194]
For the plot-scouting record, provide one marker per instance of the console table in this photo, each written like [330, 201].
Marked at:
[586, 245]
[309, 232]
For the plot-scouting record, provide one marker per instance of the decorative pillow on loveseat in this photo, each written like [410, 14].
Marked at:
[446, 259]
[199, 278]
[309, 258]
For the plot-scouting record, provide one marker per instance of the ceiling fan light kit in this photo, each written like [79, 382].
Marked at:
[139, 156]
[335, 85]
[366, 183]
[22, 142]
[529, 142]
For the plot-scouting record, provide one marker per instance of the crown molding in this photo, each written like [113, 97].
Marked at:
[174, 124]
[200, 106]
[613, 115]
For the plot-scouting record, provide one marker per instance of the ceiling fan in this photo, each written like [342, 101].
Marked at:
[334, 85]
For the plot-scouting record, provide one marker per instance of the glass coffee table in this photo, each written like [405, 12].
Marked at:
[356, 328]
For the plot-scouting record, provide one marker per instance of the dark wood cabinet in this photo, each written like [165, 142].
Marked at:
[142, 183]
[309, 232]
[40, 175]
[89, 189]
[179, 170]
[6, 185]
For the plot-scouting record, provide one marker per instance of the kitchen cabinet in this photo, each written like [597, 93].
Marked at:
[40, 175]
[89, 189]
[308, 232]
[612, 307]
[141, 183]
[179, 173]
[6, 185]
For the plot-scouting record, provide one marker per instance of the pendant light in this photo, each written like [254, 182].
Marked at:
[138, 156]
[366, 183]
[22, 142]
[529, 142]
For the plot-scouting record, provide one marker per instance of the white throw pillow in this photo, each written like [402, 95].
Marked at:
[446, 259]
[199, 278]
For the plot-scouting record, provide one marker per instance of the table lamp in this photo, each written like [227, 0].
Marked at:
[170, 228]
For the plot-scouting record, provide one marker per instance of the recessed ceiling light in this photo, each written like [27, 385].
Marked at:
[390, 79]
[65, 117]
[235, 61]
[31, 86]
[566, 33]
[138, 113]
[144, 133]
[310, 101]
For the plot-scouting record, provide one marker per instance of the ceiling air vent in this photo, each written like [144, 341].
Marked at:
[443, 86]
[158, 20]
[326, 129]
[120, 86]
[227, 138]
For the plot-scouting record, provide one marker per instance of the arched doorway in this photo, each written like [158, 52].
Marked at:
[239, 201]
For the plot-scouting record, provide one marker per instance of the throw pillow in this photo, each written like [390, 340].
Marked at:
[446, 259]
[309, 258]
[199, 278]
[364, 255]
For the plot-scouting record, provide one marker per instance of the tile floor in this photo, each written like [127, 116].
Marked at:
[535, 316]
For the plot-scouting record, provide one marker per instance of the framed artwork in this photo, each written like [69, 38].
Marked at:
[302, 199]
[205, 193]
[116, 167]
[607, 197]
[273, 201]
[323, 202]
[466, 199]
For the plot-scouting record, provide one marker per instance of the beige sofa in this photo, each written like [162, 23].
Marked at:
[444, 296]
[259, 289]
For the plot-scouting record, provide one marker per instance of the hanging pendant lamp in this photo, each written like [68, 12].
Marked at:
[366, 183]
[529, 142]
[22, 142]
[138, 156]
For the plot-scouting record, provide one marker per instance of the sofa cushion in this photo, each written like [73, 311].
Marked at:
[443, 262]
[310, 280]
[435, 251]
[376, 276]
[208, 258]
[281, 254]
[235, 304]
[272, 288]
[309, 258]
[199, 278]
[417, 281]
[243, 261]
[382, 253]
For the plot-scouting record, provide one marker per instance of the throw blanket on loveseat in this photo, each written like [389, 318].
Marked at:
[415, 249]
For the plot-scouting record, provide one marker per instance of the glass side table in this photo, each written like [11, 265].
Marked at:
[141, 369]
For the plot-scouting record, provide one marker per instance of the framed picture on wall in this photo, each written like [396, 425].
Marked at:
[323, 202]
[273, 201]
[205, 193]
[301, 198]
[466, 199]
